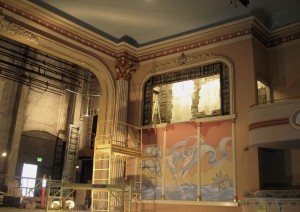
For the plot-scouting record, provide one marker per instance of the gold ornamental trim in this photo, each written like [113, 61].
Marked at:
[189, 60]
[17, 30]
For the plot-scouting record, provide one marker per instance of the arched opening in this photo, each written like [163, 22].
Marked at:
[48, 101]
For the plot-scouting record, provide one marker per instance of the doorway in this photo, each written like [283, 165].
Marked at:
[28, 179]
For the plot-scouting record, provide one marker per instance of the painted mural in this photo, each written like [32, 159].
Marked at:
[216, 161]
[151, 164]
[181, 162]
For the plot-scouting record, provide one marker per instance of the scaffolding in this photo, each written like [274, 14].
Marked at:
[71, 154]
[117, 156]
[59, 193]
[116, 184]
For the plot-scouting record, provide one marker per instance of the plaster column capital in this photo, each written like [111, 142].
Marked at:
[125, 68]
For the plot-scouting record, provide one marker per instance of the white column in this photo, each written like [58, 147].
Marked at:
[235, 197]
[163, 189]
[199, 162]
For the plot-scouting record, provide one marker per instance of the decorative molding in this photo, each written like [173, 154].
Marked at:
[295, 119]
[125, 68]
[254, 28]
[190, 60]
[17, 30]
[269, 123]
[196, 44]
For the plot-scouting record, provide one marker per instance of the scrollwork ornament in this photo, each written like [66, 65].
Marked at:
[189, 61]
[17, 30]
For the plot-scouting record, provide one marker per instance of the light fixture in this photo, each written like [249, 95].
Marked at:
[70, 204]
[87, 107]
[4, 154]
[55, 205]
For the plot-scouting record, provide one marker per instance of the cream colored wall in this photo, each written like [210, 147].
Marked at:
[285, 66]
[261, 62]
[241, 55]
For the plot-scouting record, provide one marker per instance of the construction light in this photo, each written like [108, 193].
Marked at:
[55, 205]
[70, 204]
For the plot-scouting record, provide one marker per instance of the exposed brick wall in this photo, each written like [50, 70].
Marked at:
[42, 112]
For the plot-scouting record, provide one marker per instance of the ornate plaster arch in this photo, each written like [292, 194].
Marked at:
[56, 46]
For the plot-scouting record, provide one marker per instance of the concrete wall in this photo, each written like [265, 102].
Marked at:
[7, 95]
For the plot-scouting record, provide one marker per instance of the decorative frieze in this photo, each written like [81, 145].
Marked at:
[193, 59]
[17, 30]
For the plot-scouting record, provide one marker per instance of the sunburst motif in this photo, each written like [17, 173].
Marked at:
[221, 181]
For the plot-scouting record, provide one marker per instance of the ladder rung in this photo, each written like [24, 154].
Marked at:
[102, 159]
[102, 179]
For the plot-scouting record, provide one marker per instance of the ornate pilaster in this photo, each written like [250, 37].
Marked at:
[125, 68]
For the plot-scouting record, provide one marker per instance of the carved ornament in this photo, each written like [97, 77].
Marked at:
[125, 68]
[189, 60]
[16, 30]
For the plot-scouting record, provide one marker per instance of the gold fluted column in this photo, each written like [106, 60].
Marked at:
[124, 68]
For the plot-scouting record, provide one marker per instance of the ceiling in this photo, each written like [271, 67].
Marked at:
[142, 22]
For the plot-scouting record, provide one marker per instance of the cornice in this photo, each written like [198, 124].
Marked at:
[284, 35]
[33, 15]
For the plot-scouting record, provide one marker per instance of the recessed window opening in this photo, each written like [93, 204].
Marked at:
[182, 100]
[263, 92]
[188, 94]
[209, 95]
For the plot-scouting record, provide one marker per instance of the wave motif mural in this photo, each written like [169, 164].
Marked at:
[181, 175]
[182, 159]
